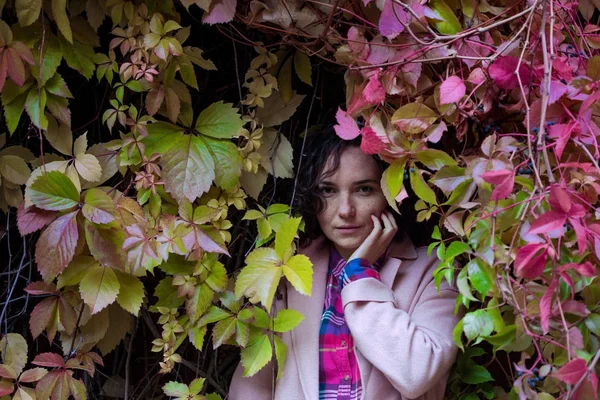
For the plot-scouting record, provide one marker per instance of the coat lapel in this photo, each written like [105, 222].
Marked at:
[305, 337]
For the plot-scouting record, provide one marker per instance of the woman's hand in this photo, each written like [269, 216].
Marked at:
[379, 239]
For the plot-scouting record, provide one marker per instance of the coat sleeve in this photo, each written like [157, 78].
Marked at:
[413, 351]
[258, 386]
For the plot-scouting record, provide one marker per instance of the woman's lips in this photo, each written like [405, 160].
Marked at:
[347, 229]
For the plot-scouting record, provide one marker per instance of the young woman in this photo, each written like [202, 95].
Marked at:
[375, 327]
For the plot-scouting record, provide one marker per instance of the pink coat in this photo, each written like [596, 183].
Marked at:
[402, 329]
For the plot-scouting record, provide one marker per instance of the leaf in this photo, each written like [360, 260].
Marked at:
[452, 90]
[176, 389]
[188, 168]
[98, 207]
[56, 246]
[14, 169]
[167, 294]
[280, 354]
[51, 360]
[119, 325]
[392, 20]
[229, 162]
[298, 270]
[256, 355]
[28, 11]
[32, 375]
[223, 331]
[13, 348]
[346, 127]
[477, 323]
[455, 249]
[529, 263]
[504, 181]
[474, 374]
[414, 117]
[219, 120]
[276, 111]
[286, 320]
[503, 72]
[99, 287]
[54, 191]
[279, 159]
[199, 302]
[258, 280]
[95, 13]
[448, 24]
[284, 81]
[79, 57]
[44, 313]
[421, 189]
[285, 236]
[59, 135]
[435, 159]
[546, 306]
[221, 11]
[302, 67]
[547, 222]
[62, 20]
[572, 371]
[131, 292]
[32, 219]
[35, 105]
[88, 167]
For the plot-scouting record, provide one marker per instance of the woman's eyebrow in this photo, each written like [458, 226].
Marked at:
[362, 182]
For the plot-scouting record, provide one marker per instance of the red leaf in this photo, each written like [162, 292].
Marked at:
[575, 307]
[51, 360]
[559, 199]
[527, 264]
[389, 21]
[452, 90]
[41, 315]
[546, 306]
[374, 93]
[586, 269]
[208, 244]
[40, 288]
[496, 177]
[547, 222]
[346, 128]
[557, 90]
[580, 234]
[572, 371]
[504, 181]
[371, 143]
[14, 66]
[2, 70]
[56, 246]
[562, 134]
[503, 70]
[32, 219]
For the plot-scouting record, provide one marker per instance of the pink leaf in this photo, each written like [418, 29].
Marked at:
[576, 308]
[527, 264]
[208, 244]
[389, 21]
[557, 90]
[33, 219]
[572, 371]
[374, 93]
[357, 43]
[559, 199]
[52, 360]
[346, 127]
[476, 77]
[580, 234]
[547, 222]
[221, 11]
[452, 90]
[546, 306]
[56, 246]
[562, 134]
[586, 269]
[371, 143]
[40, 288]
[503, 70]
[496, 177]
[504, 181]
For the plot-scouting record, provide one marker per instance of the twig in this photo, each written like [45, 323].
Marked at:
[128, 361]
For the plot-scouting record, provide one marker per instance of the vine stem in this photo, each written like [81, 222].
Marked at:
[589, 370]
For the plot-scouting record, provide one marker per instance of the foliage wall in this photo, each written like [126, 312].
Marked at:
[147, 157]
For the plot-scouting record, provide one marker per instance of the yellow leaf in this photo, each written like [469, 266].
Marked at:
[14, 169]
[28, 11]
[88, 167]
[13, 348]
[303, 67]
[284, 80]
[59, 10]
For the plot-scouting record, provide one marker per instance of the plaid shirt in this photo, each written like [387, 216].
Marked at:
[339, 376]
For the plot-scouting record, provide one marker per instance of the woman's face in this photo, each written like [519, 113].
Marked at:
[352, 194]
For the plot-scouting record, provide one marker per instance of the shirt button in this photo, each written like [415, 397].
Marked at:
[343, 344]
[347, 377]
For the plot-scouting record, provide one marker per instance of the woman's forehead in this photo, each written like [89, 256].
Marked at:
[354, 165]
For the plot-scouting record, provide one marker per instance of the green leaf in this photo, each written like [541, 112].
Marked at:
[256, 355]
[276, 111]
[394, 176]
[474, 374]
[259, 279]
[217, 279]
[448, 23]
[284, 81]
[28, 11]
[463, 285]
[176, 389]
[188, 168]
[14, 169]
[52, 56]
[13, 110]
[54, 191]
[196, 385]
[161, 137]
[298, 270]
[457, 335]
[455, 249]
[75, 271]
[35, 105]
[223, 331]
[229, 161]
[280, 354]
[286, 320]
[285, 236]
[302, 67]
[477, 323]
[277, 158]
[196, 336]
[59, 10]
[480, 278]
[99, 287]
[414, 117]
[448, 178]
[98, 207]
[435, 159]
[199, 302]
[421, 189]
[131, 294]
[214, 314]
[78, 56]
[219, 120]
[167, 294]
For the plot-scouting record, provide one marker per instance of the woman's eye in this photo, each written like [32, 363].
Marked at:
[326, 190]
[365, 189]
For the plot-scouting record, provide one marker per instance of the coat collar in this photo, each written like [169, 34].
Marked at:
[305, 338]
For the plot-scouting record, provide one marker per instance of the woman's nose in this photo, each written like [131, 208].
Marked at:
[346, 207]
